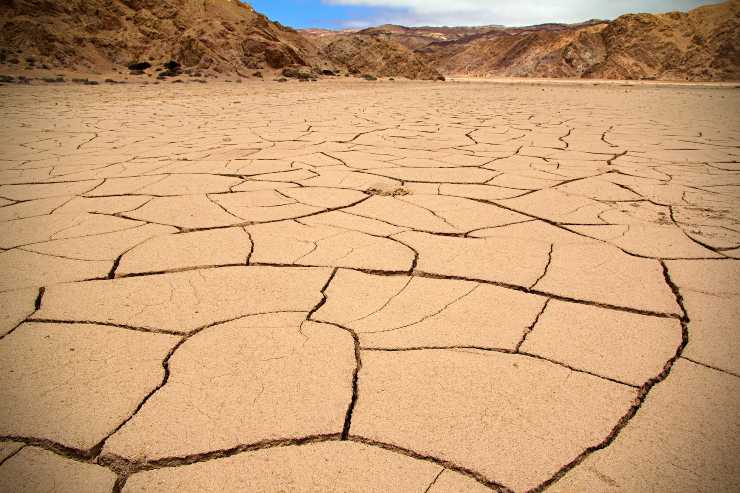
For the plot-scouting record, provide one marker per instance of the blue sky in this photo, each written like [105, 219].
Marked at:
[312, 13]
[362, 13]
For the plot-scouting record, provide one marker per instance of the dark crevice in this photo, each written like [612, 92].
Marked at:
[711, 367]
[126, 467]
[531, 327]
[355, 379]
[355, 375]
[547, 266]
[72, 453]
[498, 350]
[103, 323]
[120, 483]
[603, 137]
[178, 270]
[434, 481]
[11, 455]
[610, 162]
[434, 460]
[37, 306]
[324, 298]
[550, 295]
[562, 139]
[251, 246]
[152, 330]
[114, 267]
[39, 298]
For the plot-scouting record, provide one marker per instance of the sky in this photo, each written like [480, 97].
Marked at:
[362, 13]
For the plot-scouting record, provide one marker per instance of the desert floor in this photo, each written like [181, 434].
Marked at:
[358, 286]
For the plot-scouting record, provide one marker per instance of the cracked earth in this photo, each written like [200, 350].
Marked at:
[439, 288]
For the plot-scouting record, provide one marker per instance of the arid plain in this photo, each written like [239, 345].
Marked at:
[369, 286]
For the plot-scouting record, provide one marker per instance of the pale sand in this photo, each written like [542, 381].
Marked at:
[355, 286]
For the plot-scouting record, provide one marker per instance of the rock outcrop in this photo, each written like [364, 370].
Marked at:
[703, 44]
[538, 51]
[373, 55]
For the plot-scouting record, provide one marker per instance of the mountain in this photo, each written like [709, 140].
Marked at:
[703, 44]
[551, 50]
[216, 36]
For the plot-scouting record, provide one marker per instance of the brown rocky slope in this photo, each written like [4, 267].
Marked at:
[537, 51]
[222, 36]
[702, 44]
[373, 55]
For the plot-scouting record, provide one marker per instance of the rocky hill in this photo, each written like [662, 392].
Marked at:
[215, 36]
[703, 44]
[553, 50]
[372, 55]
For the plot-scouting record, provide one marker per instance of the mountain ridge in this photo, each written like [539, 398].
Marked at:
[699, 45]
[227, 38]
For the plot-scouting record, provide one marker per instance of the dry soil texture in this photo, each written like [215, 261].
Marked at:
[364, 287]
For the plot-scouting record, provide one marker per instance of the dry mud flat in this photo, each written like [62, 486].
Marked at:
[363, 287]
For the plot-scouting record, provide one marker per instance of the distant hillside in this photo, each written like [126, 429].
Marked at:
[419, 37]
[701, 45]
[372, 55]
[551, 50]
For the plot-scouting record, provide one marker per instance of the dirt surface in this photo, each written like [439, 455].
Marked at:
[390, 286]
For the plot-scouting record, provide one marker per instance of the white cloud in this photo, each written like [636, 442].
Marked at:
[508, 12]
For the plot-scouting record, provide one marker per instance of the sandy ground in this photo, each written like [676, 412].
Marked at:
[353, 286]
